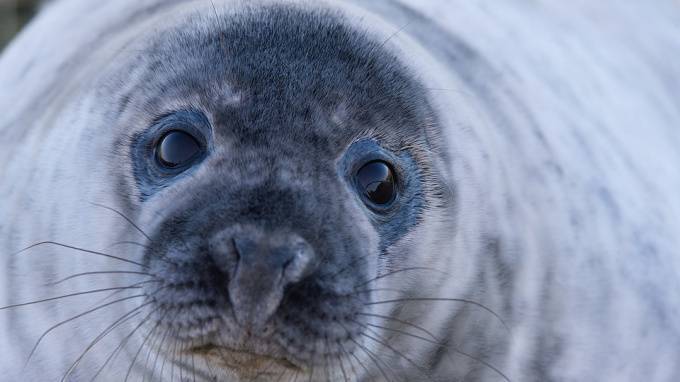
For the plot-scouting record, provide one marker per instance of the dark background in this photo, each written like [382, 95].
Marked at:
[13, 15]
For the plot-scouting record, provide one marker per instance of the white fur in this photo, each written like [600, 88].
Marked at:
[600, 80]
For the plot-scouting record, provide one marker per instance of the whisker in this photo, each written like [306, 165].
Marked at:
[109, 329]
[470, 356]
[193, 366]
[162, 257]
[65, 296]
[401, 29]
[104, 333]
[165, 359]
[353, 356]
[174, 356]
[217, 18]
[413, 299]
[222, 356]
[373, 357]
[128, 242]
[377, 47]
[181, 365]
[399, 271]
[49, 242]
[134, 359]
[395, 351]
[438, 343]
[360, 363]
[281, 375]
[45, 333]
[351, 364]
[124, 217]
[122, 343]
[367, 352]
[325, 358]
[97, 273]
[263, 371]
[342, 369]
[401, 322]
[152, 346]
[375, 290]
[158, 353]
[120, 291]
[210, 369]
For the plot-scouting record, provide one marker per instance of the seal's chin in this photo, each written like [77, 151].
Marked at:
[243, 361]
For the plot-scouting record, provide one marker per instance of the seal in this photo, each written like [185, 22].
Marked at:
[224, 191]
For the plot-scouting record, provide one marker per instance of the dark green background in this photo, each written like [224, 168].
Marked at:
[13, 15]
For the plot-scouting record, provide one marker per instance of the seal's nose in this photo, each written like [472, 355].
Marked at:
[265, 264]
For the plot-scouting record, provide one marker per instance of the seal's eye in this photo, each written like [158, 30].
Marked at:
[177, 148]
[376, 181]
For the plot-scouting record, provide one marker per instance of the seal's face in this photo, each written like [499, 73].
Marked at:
[276, 158]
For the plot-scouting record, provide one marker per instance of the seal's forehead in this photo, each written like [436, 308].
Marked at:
[261, 70]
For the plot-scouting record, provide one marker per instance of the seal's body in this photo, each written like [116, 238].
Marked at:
[369, 191]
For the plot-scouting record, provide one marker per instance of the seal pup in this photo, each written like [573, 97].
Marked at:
[340, 191]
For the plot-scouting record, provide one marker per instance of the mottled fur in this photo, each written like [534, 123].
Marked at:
[535, 237]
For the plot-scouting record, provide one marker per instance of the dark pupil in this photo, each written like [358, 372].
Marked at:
[377, 182]
[176, 148]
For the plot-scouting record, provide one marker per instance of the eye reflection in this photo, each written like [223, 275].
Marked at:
[177, 148]
[376, 181]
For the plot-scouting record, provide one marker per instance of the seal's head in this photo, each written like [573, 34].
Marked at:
[277, 158]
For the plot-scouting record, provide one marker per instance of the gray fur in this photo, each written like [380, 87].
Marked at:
[534, 230]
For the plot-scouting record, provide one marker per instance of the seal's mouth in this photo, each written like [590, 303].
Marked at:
[242, 360]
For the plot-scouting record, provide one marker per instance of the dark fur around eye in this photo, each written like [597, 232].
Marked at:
[173, 145]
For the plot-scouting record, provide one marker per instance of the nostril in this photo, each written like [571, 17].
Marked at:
[235, 248]
[247, 249]
[287, 263]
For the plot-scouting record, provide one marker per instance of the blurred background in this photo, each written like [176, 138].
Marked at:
[13, 15]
